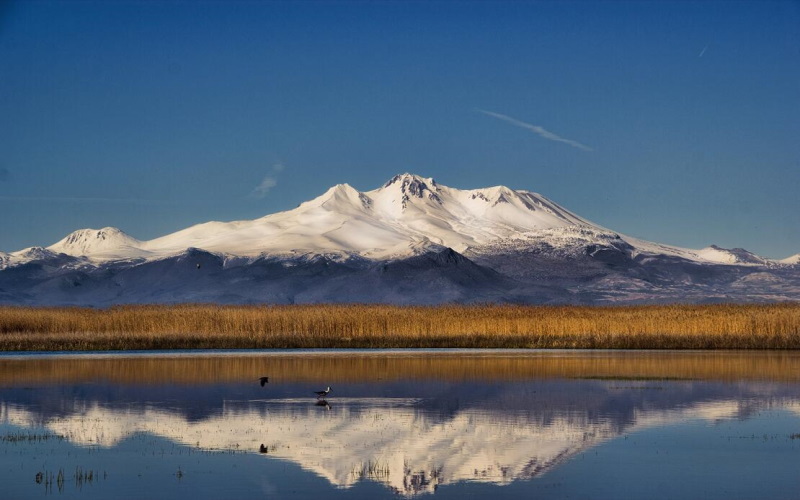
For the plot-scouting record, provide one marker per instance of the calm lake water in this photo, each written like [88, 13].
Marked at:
[445, 424]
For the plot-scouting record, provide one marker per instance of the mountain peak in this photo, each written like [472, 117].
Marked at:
[341, 197]
[90, 241]
[33, 253]
[407, 179]
[413, 186]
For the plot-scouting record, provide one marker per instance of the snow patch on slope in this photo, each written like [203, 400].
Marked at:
[30, 254]
[793, 260]
[712, 254]
[730, 256]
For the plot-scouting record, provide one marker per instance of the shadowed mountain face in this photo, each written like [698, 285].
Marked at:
[592, 275]
[411, 241]
[196, 276]
[410, 423]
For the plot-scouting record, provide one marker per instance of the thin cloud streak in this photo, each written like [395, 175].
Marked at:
[536, 129]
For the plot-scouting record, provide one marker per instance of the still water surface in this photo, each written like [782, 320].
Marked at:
[445, 424]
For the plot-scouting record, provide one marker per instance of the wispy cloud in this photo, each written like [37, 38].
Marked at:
[702, 52]
[536, 129]
[268, 182]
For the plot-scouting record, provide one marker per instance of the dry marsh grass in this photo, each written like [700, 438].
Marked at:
[730, 326]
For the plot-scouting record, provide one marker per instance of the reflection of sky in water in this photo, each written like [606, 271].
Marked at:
[593, 438]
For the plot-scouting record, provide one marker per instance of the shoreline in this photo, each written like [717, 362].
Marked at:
[381, 365]
[410, 352]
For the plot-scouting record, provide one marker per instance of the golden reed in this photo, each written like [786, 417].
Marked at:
[198, 326]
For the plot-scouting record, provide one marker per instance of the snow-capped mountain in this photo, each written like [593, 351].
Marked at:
[412, 240]
[399, 218]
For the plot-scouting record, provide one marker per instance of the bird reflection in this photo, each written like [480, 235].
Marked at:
[324, 403]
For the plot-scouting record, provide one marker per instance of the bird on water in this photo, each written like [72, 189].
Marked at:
[322, 394]
[264, 380]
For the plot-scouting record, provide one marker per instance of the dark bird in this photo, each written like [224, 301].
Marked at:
[322, 394]
[264, 380]
[262, 449]
[198, 266]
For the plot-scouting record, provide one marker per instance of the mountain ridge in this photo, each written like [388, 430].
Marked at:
[410, 241]
[406, 211]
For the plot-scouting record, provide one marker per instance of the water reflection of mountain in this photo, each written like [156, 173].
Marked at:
[407, 435]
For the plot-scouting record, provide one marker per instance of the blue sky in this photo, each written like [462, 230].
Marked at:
[673, 122]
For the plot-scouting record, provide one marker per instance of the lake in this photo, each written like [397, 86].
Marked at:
[439, 424]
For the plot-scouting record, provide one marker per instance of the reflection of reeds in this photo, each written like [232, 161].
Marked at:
[347, 368]
[775, 326]
[81, 476]
[28, 437]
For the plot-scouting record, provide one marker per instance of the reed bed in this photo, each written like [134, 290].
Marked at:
[729, 326]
